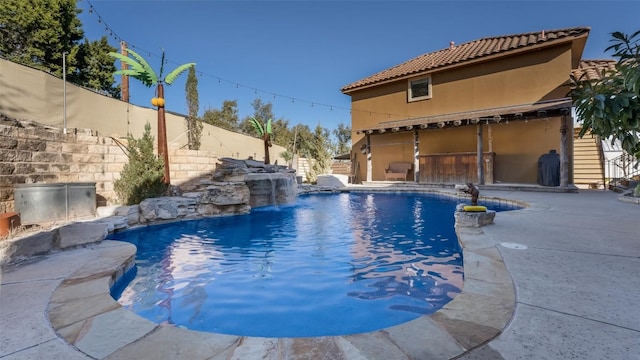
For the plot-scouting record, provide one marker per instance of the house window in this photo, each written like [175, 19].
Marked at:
[419, 89]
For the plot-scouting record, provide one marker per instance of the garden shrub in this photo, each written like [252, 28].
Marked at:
[142, 177]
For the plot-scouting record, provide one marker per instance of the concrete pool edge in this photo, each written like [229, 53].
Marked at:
[82, 312]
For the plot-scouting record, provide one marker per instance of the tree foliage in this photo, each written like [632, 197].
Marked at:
[95, 68]
[194, 125]
[302, 140]
[320, 151]
[610, 106]
[298, 140]
[343, 139]
[142, 176]
[281, 133]
[226, 118]
[261, 112]
[37, 33]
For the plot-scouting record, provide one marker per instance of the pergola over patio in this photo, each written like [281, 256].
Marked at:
[524, 112]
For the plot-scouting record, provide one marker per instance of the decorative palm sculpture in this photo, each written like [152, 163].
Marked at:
[140, 69]
[264, 132]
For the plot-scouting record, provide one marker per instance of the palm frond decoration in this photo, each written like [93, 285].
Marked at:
[269, 131]
[145, 65]
[173, 75]
[136, 70]
[264, 131]
[258, 126]
[140, 69]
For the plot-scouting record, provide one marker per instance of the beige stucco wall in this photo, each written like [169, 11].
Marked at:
[30, 94]
[522, 79]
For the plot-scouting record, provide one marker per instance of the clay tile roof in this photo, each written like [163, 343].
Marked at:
[457, 54]
[593, 69]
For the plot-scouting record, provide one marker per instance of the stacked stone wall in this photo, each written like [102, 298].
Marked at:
[33, 153]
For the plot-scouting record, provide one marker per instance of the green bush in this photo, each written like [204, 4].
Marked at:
[636, 191]
[142, 177]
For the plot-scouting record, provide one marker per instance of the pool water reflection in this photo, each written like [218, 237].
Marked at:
[331, 264]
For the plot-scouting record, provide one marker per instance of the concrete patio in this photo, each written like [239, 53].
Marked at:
[557, 280]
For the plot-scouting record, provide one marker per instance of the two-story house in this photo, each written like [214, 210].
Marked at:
[486, 111]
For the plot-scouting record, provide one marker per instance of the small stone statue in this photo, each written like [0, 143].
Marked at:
[474, 192]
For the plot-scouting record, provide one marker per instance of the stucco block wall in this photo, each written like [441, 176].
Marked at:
[34, 95]
[31, 153]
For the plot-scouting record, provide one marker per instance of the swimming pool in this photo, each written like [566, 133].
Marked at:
[329, 265]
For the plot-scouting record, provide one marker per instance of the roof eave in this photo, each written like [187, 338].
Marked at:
[577, 49]
[494, 115]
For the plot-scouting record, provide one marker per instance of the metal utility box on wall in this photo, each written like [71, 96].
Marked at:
[40, 203]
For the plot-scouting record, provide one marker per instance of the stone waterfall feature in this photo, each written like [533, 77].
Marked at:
[268, 184]
[271, 188]
[235, 187]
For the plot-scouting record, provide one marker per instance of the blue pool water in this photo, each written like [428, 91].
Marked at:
[329, 265]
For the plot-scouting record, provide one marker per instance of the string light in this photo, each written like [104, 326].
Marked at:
[115, 36]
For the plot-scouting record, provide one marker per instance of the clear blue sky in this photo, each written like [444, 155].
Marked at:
[298, 54]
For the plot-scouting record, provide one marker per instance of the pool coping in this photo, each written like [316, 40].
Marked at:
[82, 311]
